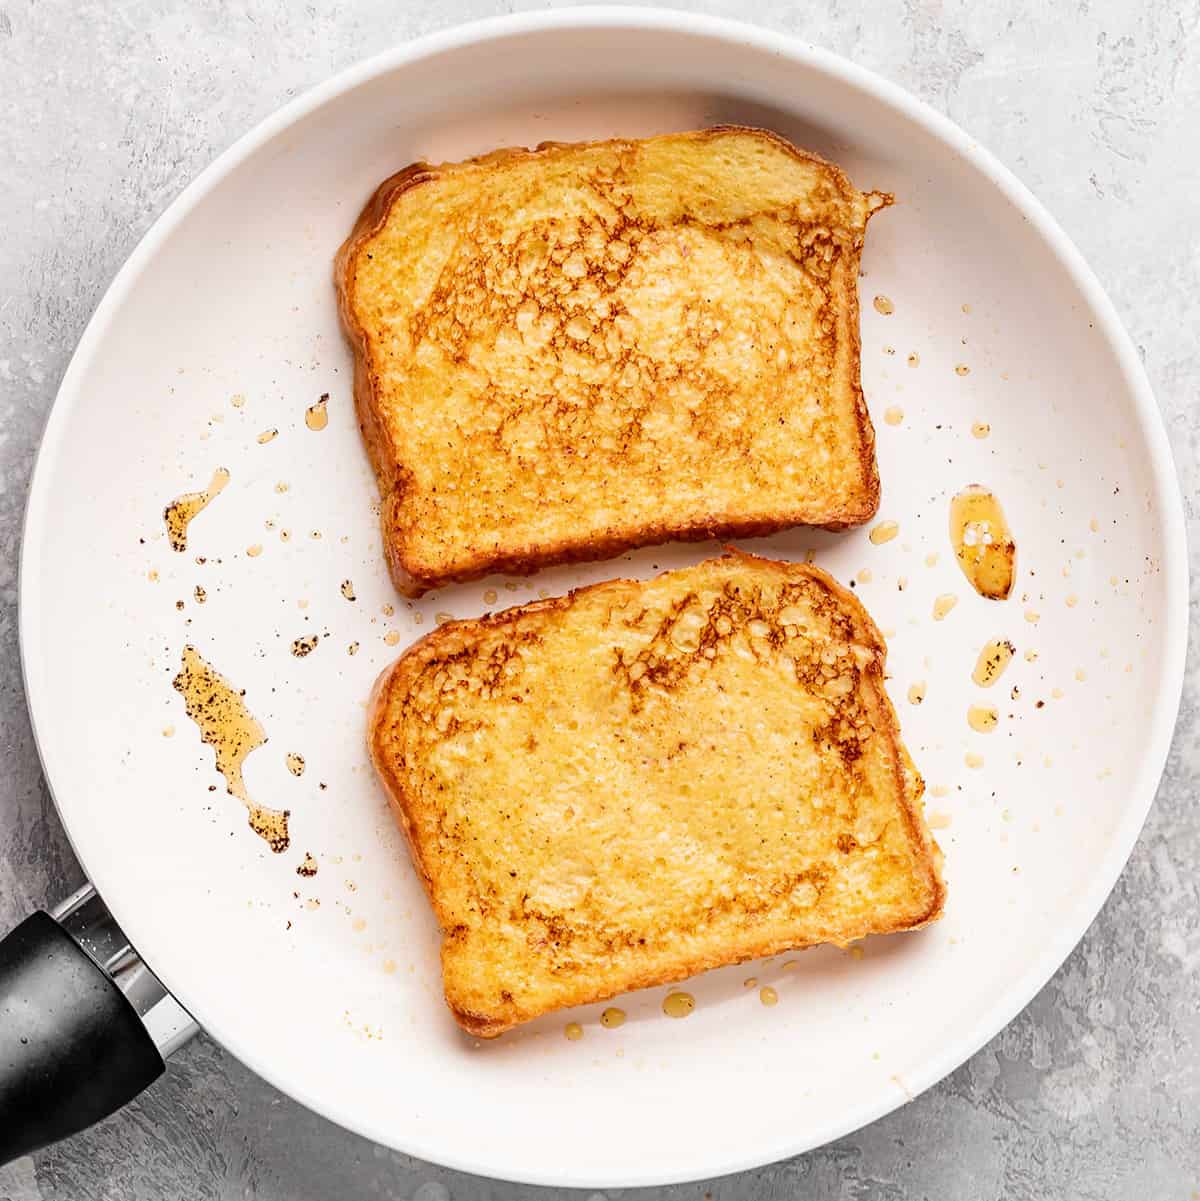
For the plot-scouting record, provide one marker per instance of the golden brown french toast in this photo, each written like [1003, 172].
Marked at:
[632, 783]
[565, 352]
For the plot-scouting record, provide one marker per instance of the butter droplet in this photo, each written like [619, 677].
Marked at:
[768, 996]
[916, 692]
[894, 415]
[980, 429]
[973, 760]
[885, 531]
[316, 416]
[678, 1004]
[943, 605]
[993, 660]
[884, 305]
[914, 359]
[982, 541]
[612, 1017]
[983, 719]
[573, 1031]
[962, 369]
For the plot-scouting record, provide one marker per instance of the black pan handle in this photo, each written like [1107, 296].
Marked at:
[79, 1037]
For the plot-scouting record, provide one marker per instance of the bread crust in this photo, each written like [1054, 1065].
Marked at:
[387, 459]
[909, 787]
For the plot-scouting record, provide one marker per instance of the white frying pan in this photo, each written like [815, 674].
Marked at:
[222, 326]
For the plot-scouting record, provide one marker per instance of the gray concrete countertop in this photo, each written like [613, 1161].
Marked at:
[111, 108]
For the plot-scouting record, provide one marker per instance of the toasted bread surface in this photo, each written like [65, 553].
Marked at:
[638, 781]
[565, 352]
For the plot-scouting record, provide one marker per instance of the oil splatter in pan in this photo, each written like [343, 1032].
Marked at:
[179, 513]
[983, 543]
[227, 725]
[316, 416]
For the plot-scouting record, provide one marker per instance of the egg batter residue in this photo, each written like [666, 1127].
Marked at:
[228, 726]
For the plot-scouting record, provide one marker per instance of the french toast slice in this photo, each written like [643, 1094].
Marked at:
[638, 781]
[565, 352]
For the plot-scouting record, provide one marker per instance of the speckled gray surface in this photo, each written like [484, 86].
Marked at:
[1094, 1091]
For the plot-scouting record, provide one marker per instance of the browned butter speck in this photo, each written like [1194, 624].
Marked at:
[228, 726]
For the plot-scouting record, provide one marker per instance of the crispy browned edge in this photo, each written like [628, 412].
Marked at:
[910, 785]
[524, 561]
